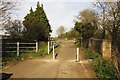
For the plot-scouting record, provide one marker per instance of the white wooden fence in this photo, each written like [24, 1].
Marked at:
[18, 47]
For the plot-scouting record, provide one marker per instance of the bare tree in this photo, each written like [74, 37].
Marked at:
[14, 28]
[60, 30]
[110, 16]
[6, 7]
[110, 21]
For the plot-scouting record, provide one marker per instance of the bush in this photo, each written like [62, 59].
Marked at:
[104, 70]
[90, 55]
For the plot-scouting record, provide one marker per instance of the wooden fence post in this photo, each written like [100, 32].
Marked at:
[48, 47]
[53, 53]
[17, 48]
[36, 47]
[77, 53]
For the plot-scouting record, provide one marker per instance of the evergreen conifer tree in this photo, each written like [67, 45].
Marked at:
[37, 24]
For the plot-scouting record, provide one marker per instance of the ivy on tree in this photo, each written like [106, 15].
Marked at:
[87, 23]
[37, 24]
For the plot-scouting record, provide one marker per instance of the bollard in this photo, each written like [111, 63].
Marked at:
[48, 47]
[77, 54]
[53, 53]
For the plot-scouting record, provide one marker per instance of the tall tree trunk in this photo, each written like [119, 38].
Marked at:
[115, 52]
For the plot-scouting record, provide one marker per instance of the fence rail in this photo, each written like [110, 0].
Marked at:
[27, 43]
[20, 47]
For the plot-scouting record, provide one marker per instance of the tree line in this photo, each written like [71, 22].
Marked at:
[35, 25]
[104, 24]
[101, 23]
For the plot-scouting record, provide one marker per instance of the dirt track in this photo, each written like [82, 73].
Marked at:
[65, 66]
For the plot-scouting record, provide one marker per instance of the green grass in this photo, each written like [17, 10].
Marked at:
[103, 68]
[90, 55]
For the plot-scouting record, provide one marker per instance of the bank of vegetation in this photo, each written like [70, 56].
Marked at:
[95, 27]
[103, 68]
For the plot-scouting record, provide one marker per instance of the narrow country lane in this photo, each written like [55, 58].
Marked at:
[65, 66]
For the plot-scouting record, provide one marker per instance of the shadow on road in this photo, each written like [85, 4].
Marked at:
[5, 76]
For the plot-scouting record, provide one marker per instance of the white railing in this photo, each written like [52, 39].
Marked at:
[18, 47]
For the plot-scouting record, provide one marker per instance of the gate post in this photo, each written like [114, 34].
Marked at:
[17, 48]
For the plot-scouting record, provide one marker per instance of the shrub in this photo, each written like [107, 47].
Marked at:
[104, 70]
[90, 55]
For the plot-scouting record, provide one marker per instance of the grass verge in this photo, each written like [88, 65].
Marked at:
[103, 68]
